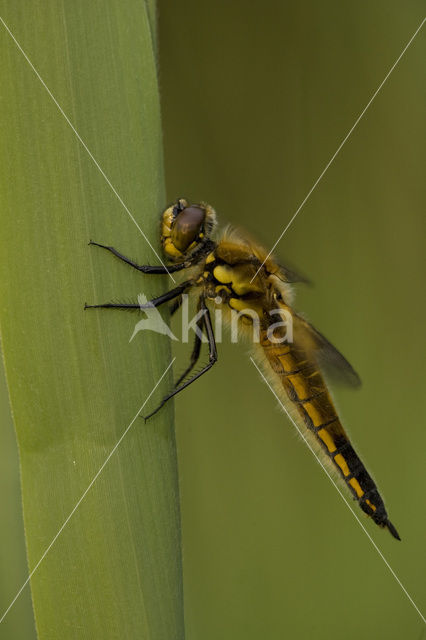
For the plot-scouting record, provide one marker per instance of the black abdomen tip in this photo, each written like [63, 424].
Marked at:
[392, 529]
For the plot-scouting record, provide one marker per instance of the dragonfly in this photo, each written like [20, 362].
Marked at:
[236, 274]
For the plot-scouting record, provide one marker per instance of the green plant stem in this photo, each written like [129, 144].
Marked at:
[75, 381]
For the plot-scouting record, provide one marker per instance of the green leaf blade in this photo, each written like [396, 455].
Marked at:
[74, 379]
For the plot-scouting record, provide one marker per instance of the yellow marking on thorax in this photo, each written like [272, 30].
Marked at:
[355, 485]
[341, 462]
[223, 274]
[238, 305]
[222, 287]
[246, 306]
[243, 287]
[239, 276]
[210, 258]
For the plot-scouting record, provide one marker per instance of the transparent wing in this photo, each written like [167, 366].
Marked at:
[289, 274]
[329, 359]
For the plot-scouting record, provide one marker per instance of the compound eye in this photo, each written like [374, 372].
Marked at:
[187, 227]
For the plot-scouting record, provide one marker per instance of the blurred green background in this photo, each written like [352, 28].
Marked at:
[256, 99]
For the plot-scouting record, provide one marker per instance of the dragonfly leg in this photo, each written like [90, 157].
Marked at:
[212, 360]
[195, 352]
[175, 305]
[165, 297]
[112, 305]
[144, 268]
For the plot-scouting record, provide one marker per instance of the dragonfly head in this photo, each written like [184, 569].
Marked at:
[185, 227]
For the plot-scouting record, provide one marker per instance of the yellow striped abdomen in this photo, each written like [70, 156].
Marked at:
[305, 387]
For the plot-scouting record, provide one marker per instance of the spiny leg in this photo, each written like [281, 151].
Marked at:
[195, 352]
[155, 302]
[212, 359]
[175, 305]
[144, 268]
[113, 305]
